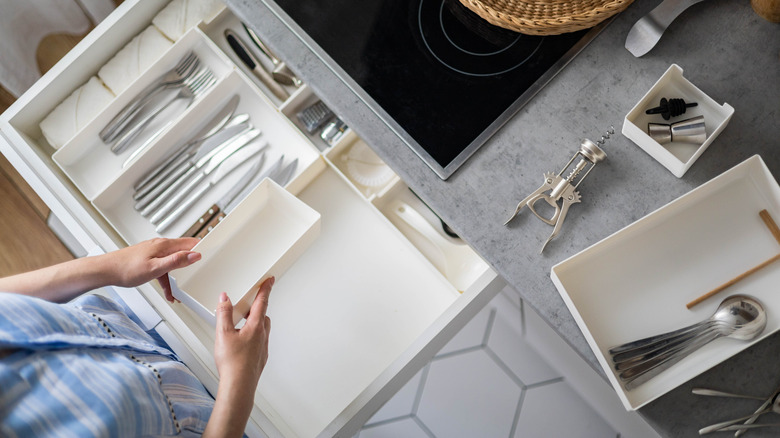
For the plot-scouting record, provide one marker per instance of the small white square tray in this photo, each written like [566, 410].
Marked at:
[675, 156]
[261, 238]
[636, 282]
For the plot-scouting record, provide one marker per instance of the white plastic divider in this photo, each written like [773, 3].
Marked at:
[116, 203]
[269, 218]
[89, 162]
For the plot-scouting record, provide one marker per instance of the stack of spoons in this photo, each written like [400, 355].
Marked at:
[738, 316]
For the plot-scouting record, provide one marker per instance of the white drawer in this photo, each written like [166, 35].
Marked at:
[356, 316]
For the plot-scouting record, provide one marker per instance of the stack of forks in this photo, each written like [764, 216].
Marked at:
[186, 81]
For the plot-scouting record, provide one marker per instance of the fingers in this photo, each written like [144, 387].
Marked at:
[225, 313]
[260, 304]
[176, 260]
[165, 283]
[170, 246]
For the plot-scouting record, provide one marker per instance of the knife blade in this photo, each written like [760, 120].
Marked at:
[227, 166]
[209, 128]
[220, 205]
[152, 200]
[646, 32]
[200, 173]
[276, 173]
[245, 55]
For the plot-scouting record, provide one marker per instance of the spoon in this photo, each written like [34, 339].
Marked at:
[738, 316]
[721, 315]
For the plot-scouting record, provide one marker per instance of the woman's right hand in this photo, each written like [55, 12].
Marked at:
[241, 355]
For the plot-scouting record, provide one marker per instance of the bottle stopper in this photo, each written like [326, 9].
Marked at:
[671, 108]
[685, 131]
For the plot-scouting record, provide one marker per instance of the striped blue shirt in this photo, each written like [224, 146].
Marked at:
[85, 369]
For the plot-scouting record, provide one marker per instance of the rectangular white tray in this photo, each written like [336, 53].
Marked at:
[676, 156]
[261, 238]
[636, 282]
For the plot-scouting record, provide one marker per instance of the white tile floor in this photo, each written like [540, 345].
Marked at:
[488, 382]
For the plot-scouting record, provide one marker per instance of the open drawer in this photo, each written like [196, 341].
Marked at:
[368, 303]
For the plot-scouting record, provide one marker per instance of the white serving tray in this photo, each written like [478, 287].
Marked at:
[636, 282]
[675, 156]
[261, 238]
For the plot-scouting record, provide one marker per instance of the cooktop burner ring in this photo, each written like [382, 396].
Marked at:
[487, 58]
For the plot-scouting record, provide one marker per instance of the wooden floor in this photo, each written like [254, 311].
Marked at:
[26, 242]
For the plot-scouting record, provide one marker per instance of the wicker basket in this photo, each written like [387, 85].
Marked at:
[545, 17]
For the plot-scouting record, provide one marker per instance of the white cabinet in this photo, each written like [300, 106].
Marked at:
[356, 316]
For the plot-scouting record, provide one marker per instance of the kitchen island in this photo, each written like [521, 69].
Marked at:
[725, 49]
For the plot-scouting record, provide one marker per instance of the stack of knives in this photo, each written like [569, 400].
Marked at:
[182, 178]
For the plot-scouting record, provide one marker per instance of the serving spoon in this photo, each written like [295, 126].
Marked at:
[738, 316]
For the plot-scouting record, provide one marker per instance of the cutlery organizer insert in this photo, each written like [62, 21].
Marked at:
[357, 313]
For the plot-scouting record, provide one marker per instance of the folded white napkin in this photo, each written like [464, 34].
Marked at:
[75, 112]
[182, 15]
[134, 58]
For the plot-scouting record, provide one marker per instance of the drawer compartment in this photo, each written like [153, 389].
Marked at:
[359, 312]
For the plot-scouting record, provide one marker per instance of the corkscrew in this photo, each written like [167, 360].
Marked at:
[564, 189]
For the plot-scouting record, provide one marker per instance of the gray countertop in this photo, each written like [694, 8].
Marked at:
[724, 48]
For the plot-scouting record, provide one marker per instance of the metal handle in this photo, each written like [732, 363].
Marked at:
[154, 202]
[176, 199]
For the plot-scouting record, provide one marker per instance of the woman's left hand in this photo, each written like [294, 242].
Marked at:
[137, 264]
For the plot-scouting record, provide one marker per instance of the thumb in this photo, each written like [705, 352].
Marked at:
[225, 313]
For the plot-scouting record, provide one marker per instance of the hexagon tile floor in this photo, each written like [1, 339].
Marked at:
[488, 382]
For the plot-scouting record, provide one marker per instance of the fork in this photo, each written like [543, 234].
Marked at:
[189, 90]
[174, 77]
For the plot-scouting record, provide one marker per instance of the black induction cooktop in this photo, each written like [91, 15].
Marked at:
[445, 79]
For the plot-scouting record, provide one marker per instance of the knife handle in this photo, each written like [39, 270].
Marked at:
[181, 209]
[202, 221]
[210, 225]
[180, 195]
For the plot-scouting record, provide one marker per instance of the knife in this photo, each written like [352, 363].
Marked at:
[208, 129]
[201, 173]
[225, 199]
[227, 166]
[252, 63]
[646, 32]
[152, 200]
[276, 173]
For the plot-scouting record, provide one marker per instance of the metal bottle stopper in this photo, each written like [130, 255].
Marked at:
[564, 190]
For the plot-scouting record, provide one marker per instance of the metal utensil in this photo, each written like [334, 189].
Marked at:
[208, 129]
[193, 180]
[173, 77]
[739, 316]
[189, 91]
[281, 72]
[716, 393]
[277, 173]
[773, 406]
[646, 32]
[159, 193]
[246, 56]
[220, 205]
[224, 169]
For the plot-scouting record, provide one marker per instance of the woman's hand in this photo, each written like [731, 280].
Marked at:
[241, 356]
[148, 260]
[126, 267]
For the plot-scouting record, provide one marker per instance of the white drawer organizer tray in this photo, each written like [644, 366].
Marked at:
[676, 156]
[360, 309]
[636, 282]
